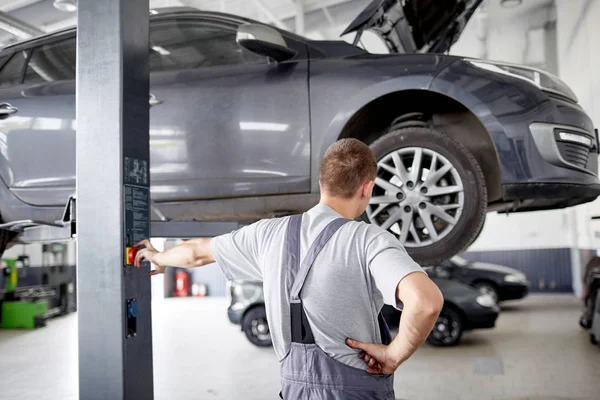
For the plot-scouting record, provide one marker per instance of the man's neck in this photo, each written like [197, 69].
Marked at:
[343, 207]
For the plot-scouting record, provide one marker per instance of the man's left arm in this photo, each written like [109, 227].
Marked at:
[237, 253]
[190, 254]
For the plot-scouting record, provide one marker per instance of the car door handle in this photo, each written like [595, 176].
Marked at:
[154, 101]
[6, 110]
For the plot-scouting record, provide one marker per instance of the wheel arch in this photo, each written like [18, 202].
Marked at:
[444, 113]
[488, 281]
[454, 307]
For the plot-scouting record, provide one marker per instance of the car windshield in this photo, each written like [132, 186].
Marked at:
[459, 261]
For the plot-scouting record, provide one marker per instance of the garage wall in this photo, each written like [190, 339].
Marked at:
[548, 270]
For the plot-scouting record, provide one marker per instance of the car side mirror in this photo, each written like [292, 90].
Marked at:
[264, 41]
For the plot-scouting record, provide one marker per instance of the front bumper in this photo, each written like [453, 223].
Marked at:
[235, 316]
[482, 318]
[547, 196]
[513, 291]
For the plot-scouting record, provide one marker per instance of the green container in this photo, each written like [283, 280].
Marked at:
[22, 314]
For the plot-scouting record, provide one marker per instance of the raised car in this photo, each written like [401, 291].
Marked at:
[242, 113]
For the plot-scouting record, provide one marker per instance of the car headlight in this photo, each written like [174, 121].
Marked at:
[485, 300]
[542, 79]
[515, 278]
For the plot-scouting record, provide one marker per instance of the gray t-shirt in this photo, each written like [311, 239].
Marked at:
[353, 276]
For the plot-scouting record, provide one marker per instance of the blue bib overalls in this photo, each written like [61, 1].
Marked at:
[307, 372]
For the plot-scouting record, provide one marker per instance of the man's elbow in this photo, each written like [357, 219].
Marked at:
[431, 304]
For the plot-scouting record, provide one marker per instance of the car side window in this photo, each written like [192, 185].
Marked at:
[52, 62]
[177, 44]
[12, 72]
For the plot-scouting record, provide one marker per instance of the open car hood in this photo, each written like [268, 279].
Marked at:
[415, 26]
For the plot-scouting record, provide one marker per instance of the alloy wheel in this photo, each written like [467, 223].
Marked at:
[445, 330]
[418, 196]
[260, 329]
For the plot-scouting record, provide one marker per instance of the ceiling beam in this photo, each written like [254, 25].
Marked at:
[321, 4]
[16, 27]
[269, 14]
[328, 16]
[8, 5]
[300, 17]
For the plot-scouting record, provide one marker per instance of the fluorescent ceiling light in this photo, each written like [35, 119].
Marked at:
[263, 126]
[66, 5]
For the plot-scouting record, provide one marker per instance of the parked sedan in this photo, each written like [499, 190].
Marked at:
[591, 288]
[243, 112]
[500, 282]
[465, 308]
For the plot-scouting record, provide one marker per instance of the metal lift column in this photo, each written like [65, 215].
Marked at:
[113, 199]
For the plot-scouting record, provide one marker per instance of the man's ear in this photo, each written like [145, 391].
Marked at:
[367, 188]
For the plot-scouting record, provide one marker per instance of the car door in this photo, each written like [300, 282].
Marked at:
[37, 137]
[224, 122]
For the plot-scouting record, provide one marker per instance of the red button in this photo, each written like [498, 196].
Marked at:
[130, 255]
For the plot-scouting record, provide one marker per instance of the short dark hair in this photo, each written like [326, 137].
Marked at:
[347, 164]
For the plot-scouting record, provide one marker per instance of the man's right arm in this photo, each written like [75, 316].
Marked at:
[400, 281]
[422, 302]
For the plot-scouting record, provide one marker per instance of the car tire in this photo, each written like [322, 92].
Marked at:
[593, 339]
[448, 329]
[256, 327]
[421, 200]
[489, 289]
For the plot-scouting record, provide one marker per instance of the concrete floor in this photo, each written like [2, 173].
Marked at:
[542, 353]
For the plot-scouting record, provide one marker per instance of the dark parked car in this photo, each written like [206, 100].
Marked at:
[465, 308]
[500, 282]
[242, 114]
[591, 288]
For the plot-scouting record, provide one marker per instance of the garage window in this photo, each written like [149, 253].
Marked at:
[52, 62]
[184, 44]
[12, 72]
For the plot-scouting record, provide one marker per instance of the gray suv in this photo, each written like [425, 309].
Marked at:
[241, 114]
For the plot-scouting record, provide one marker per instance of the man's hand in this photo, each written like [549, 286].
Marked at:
[376, 356]
[148, 253]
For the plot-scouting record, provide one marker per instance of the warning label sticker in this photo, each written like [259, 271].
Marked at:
[137, 215]
[136, 171]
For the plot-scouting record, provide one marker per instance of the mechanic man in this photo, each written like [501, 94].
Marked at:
[326, 278]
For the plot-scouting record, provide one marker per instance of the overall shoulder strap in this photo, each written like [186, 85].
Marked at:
[292, 249]
[296, 273]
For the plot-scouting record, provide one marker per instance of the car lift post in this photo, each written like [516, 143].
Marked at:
[113, 199]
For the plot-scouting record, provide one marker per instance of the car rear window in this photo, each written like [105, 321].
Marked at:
[52, 62]
[12, 72]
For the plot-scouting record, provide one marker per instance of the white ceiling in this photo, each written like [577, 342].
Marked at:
[324, 19]
[497, 13]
